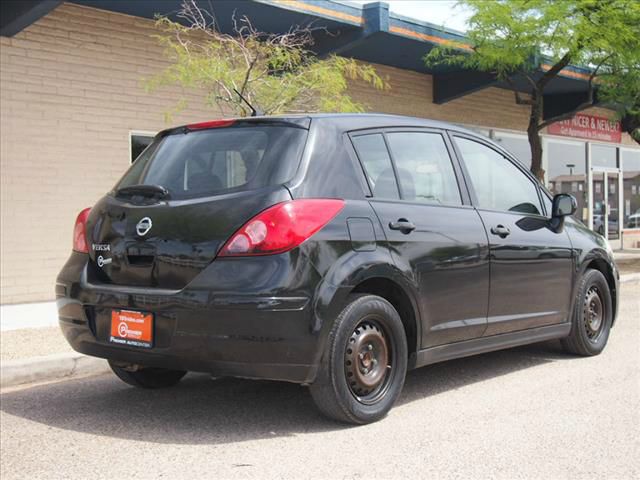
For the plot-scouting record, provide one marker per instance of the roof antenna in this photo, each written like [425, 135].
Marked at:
[254, 112]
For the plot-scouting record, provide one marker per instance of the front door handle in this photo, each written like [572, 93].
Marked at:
[501, 231]
[404, 225]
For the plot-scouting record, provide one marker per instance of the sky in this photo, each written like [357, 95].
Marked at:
[440, 12]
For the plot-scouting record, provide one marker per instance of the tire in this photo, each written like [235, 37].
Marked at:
[147, 377]
[359, 385]
[592, 316]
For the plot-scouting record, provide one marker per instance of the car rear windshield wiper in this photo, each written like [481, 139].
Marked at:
[143, 190]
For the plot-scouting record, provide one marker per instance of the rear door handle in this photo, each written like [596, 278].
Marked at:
[404, 225]
[501, 231]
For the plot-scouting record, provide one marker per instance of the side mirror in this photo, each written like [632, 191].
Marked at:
[563, 205]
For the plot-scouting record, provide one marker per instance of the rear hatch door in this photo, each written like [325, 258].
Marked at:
[183, 198]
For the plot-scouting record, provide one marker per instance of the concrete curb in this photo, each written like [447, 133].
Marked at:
[630, 277]
[49, 367]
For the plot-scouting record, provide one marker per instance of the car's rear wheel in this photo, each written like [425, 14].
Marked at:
[146, 377]
[364, 363]
[592, 316]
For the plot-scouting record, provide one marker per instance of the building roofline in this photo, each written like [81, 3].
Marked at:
[367, 32]
[409, 27]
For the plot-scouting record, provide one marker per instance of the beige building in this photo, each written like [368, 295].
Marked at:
[72, 109]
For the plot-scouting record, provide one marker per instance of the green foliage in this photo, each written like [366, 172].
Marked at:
[621, 89]
[537, 39]
[276, 73]
[513, 36]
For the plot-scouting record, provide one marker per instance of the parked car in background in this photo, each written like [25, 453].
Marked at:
[335, 251]
[634, 220]
[598, 224]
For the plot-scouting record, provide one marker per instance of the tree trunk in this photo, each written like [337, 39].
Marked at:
[533, 133]
[536, 151]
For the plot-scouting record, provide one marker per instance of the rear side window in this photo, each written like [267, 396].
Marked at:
[211, 162]
[374, 156]
[424, 168]
[498, 183]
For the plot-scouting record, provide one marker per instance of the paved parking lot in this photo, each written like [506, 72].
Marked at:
[531, 412]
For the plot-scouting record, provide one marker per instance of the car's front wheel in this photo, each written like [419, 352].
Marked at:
[592, 316]
[146, 377]
[364, 363]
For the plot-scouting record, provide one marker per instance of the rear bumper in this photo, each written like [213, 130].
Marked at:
[182, 356]
[244, 335]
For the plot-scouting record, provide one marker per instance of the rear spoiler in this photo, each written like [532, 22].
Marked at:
[295, 122]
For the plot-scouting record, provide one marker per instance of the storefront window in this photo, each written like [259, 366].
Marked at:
[631, 187]
[566, 172]
[517, 145]
[603, 156]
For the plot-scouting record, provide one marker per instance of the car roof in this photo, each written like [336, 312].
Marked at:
[355, 121]
[345, 121]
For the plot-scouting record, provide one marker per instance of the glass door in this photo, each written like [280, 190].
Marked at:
[613, 208]
[605, 208]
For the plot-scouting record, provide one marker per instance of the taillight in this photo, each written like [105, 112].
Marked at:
[80, 232]
[281, 227]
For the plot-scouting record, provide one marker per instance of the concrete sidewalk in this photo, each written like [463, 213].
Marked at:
[28, 315]
[32, 347]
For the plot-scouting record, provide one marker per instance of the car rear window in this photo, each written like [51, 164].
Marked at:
[221, 160]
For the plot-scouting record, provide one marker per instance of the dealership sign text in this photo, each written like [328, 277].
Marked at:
[590, 127]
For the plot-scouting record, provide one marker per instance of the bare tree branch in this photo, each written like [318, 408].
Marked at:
[276, 71]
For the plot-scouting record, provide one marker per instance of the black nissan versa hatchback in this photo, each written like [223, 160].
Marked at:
[336, 251]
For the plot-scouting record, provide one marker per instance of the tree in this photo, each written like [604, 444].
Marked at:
[514, 38]
[275, 72]
[622, 91]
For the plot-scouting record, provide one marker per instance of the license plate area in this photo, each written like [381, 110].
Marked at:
[132, 328]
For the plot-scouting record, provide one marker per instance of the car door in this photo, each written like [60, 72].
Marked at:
[531, 264]
[436, 237]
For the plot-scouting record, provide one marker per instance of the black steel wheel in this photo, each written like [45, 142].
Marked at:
[593, 313]
[592, 316]
[364, 363]
[368, 361]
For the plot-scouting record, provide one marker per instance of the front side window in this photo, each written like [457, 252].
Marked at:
[516, 145]
[372, 152]
[498, 183]
[424, 168]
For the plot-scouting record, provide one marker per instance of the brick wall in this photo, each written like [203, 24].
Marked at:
[411, 94]
[70, 94]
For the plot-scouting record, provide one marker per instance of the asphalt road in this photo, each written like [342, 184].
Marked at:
[531, 412]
